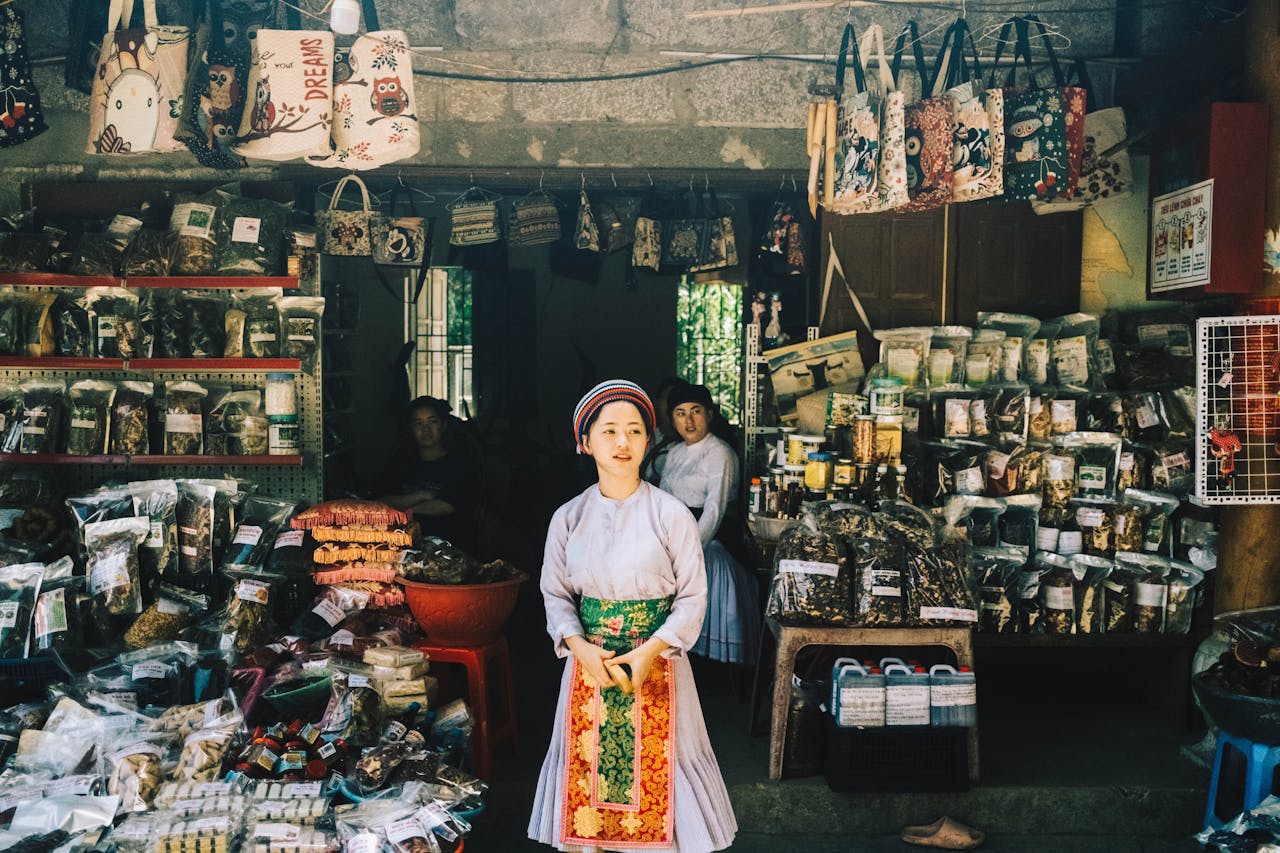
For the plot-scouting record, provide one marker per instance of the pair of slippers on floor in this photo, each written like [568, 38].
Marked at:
[945, 834]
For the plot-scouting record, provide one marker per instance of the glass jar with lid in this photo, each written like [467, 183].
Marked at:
[819, 471]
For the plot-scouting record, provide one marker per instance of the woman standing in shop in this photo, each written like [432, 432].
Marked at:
[702, 472]
[630, 764]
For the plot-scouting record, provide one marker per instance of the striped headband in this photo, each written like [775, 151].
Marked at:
[610, 391]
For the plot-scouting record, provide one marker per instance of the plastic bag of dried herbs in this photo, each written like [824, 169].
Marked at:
[841, 520]
[236, 425]
[131, 418]
[229, 496]
[1019, 524]
[1057, 593]
[1097, 463]
[261, 323]
[101, 505]
[810, 578]
[56, 624]
[245, 622]
[1145, 412]
[255, 535]
[300, 329]
[19, 589]
[115, 577]
[44, 405]
[184, 418]
[1184, 581]
[1120, 606]
[173, 610]
[170, 325]
[1058, 478]
[994, 573]
[1073, 354]
[90, 403]
[1020, 330]
[24, 252]
[39, 334]
[951, 468]
[1008, 408]
[939, 589]
[195, 222]
[1097, 525]
[151, 254]
[974, 519]
[158, 501]
[1107, 413]
[1157, 508]
[205, 326]
[114, 311]
[11, 341]
[878, 594]
[947, 349]
[73, 337]
[250, 236]
[1091, 575]
[1027, 603]
[194, 511]
[1171, 467]
[905, 352]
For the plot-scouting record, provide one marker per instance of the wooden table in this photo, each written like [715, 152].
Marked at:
[788, 640]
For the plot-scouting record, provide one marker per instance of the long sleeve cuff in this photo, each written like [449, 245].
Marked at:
[672, 639]
[560, 632]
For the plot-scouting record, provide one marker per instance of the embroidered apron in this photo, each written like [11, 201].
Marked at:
[620, 748]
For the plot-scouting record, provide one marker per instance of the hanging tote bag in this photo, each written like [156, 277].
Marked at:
[20, 115]
[1037, 164]
[891, 168]
[398, 241]
[535, 220]
[586, 231]
[1075, 104]
[857, 132]
[927, 130]
[720, 251]
[977, 150]
[137, 92]
[288, 96]
[375, 116]
[1105, 170]
[474, 219]
[346, 232]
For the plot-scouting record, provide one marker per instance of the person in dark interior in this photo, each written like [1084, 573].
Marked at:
[664, 437]
[435, 472]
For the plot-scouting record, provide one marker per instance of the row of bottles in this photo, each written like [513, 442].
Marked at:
[784, 493]
[894, 693]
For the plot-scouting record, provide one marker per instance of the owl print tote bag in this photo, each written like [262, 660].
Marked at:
[288, 96]
[375, 119]
[927, 130]
[977, 152]
[891, 168]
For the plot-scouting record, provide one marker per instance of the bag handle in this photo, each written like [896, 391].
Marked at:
[342, 185]
[370, 13]
[396, 189]
[1080, 71]
[1003, 39]
[1022, 49]
[118, 14]
[872, 45]
[423, 267]
[849, 47]
[217, 33]
[944, 65]
[1058, 77]
[961, 72]
[910, 28]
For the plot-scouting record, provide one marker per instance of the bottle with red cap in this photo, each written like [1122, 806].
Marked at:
[953, 696]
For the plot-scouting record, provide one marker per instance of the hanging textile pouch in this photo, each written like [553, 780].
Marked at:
[20, 115]
[586, 231]
[616, 221]
[720, 250]
[977, 157]
[535, 220]
[398, 241]
[891, 167]
[346, 232]
[928, 129]
[474, 219]
[684, 241]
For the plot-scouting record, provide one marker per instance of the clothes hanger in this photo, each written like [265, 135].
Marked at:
[474, 192]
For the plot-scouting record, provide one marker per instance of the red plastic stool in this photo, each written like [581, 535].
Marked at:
[478, 660]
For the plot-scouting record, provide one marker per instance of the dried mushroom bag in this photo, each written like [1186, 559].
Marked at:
[97, 254]
[114, 575]
[994, 572]
[1057, 593]
[114, 313]
[158, 501]
[39, 335]
[1058, 478]
[1106, 413]
[11, 339]
[229, 496]
[953, 414]
[1091, 575]
[195, 509]
[152, 253]
[256, 535]
[952, 468]
[19, 590]
[173, 610]
[841, 520]
[262, 323]
[205, 324]
[947, 350]
[195, 223]
[1171, 467]
[300, 330]
[90, 416]
[137, 770]
[250, 236]
[974, 519]
[55, 624]
[1097, 528]
[1118, 597]
[1019, 524]
[1073, 356]
[291, 552]
[184, 418]
[131, 419]
[904, 353]
[44, 403]
[1156, 509]
[878, 594]
[1148, 591]
[204, 751]
[811, 578]
[72, 330]
[233, 329]
[246, 620]
[1145, 411]
[1008, 408]
[170, 325]
[939, 590]
[232, 427]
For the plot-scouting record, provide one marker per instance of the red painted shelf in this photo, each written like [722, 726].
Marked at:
[53, 279]
[292, 460]
[288, 282]
[283, 365]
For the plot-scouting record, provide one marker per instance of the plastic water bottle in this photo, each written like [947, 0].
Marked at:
[953, 696]
[857, 695]
[906, 696]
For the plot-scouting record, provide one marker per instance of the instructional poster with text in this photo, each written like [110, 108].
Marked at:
[1181, 237]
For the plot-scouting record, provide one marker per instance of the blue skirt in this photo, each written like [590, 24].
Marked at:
[731, 629]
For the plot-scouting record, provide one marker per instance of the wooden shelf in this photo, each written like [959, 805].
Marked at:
[291, 460]
[52, 279]
[1084, 641]
[264, 365]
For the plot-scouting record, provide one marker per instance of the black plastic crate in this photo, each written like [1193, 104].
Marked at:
[897, 758]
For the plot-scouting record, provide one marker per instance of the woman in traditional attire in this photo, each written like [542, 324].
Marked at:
[630, 765]
[702, 471]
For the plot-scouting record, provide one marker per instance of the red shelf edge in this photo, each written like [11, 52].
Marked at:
[286, 282]
[292, 460]
[53, 279]
[63, 362]
[283, 365]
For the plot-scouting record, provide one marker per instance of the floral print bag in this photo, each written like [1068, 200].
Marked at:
[977, 135]
[346, 232]
[928, 129]
[288, 96]
[891, 166]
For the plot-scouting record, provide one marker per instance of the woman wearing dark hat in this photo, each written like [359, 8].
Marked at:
[630, 765]
[433, 474]
[702, 471]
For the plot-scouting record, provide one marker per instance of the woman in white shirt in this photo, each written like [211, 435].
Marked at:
[702, 471]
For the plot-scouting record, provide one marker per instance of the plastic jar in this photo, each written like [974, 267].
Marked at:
[819, 471]
[282, 436]
[886, 396]
[281, 395]
[783, 444]
[842, 474]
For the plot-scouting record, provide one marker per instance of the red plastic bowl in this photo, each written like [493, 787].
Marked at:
[462, 614]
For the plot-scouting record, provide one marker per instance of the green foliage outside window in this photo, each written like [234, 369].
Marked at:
[709, 342]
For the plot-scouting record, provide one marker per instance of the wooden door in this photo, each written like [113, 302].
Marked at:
[1009, 259]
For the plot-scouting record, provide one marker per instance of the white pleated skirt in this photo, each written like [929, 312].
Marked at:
[731, 629]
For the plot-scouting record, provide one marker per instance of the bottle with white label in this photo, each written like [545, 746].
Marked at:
[857, 695]
[906, 696]
[953, 696]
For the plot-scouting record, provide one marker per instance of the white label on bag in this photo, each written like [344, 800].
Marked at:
[1070, 542]
[51, 613]
[1146, 417]
[108, 574]
[354, 681]
[193, 219]
[956, 418]
[1106, 358]
[191, 424]
[169, 607]
[1127, 459]
[149, 669]
[247, 534]
[155, 535]
[365, 842]
[1071, 359]
[290, 539]
[256, 591]
[8, 614]
[277, 831]
[261, 337]
[953, 695]
[861, 706]
[969, 481]
[1047, 539]
[246, 229]
[1059, 598]
[342, 638]
[809, 567]
[886, 583]
[77, 785]
[83, 423]
[329, 612]
[1150, 594]
[950, 614]
[1090, 516]
[907, 705]
[997, 464]
[1175, 460]
[1059, 467]
[403, 830]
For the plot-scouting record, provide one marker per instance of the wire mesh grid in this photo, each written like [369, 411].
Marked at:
[1237, 388]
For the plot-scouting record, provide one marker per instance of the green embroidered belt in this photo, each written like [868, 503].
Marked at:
[622, 625]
